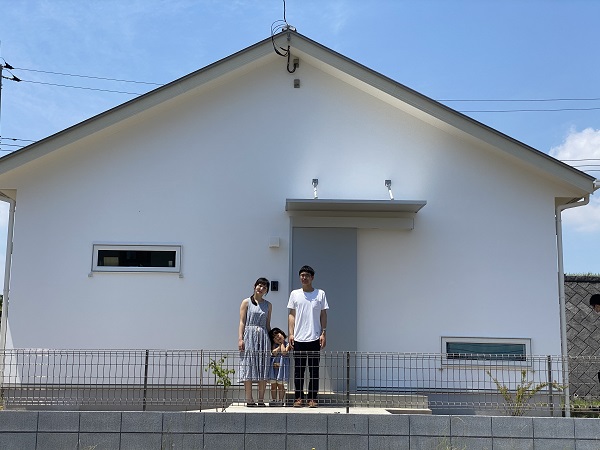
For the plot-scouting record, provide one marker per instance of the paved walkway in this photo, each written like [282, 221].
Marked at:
[321, 410]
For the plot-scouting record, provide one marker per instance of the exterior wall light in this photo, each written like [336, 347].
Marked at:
[388, 185]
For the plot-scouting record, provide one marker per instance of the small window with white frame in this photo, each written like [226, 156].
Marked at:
[477, 350]
[136, 258]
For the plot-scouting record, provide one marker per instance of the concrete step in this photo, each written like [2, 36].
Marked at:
[389, 403]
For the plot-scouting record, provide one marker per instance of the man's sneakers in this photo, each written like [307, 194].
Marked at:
[299, 403]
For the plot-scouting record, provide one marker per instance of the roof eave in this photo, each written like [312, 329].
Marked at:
[445, 114]
[351, 68]
[135, 106]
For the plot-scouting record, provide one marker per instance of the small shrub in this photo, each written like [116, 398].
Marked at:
[581, 407]
[516, 402]
[222, 376]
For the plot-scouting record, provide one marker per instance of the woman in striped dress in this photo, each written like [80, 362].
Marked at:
[254, 343]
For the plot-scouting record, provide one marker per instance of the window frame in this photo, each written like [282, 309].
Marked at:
[487, 362]
[96, 247]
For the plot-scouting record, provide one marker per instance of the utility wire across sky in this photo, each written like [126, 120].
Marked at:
[445, 100]
[16, 146]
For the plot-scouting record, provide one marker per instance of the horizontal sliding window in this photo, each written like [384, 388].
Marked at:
[136, 258]
[485, 349]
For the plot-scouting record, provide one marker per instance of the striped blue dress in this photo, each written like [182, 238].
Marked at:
[255, 360]
[280, 366]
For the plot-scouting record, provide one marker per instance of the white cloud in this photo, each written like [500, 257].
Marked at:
[338, 13]
[581, 145]
[578, 145]
[584, 219]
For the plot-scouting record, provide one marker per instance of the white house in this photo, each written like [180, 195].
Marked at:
[145, 226]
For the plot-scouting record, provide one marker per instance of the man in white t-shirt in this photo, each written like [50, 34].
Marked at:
[307, 323]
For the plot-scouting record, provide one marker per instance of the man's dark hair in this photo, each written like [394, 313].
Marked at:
[595, 300]
[307, 269]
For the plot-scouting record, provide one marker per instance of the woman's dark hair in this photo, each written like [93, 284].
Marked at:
[595, 300]
[273, 332]
[262, 281]
[307, 269]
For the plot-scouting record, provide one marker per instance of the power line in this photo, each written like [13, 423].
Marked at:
[516, 100]
[13, 145]
[525, 100]
[281, 25]
[81, 87]
[526, 110]
[16, 139]
[89, 76]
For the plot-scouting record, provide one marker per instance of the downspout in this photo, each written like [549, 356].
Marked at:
[561, 299]
[5, 292]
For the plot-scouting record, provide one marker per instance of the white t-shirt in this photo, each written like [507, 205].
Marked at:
[308, 307]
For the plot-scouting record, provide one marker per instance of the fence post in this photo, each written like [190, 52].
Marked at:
[145, 379]
[2, 362]
[347, 382]
[201, 377]
[550, 387]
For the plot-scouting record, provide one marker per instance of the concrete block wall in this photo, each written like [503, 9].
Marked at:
[583, 335]
[60, 430]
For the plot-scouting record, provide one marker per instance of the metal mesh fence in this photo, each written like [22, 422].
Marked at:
[185, 380]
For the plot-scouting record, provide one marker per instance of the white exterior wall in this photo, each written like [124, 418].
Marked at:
[212, 170]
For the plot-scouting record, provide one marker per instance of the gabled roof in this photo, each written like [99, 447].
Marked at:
[330, 62]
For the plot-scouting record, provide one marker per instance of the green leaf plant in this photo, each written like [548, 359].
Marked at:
[222, 376]
[516, 402]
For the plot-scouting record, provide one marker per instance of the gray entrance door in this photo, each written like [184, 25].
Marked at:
[332, 253]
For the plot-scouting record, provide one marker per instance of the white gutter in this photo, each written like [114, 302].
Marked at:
[5, 301]
[561, 299]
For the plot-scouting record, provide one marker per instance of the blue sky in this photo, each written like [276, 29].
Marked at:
[448, 50]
